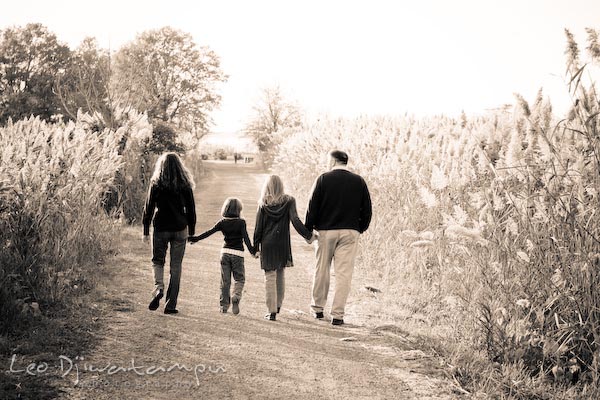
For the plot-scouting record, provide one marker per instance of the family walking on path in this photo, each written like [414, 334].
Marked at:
[339, 210]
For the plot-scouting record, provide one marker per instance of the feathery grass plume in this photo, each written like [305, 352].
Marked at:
[572, 52]
[523, 256]
[538, 108]
[514, 151]
[546, 118]
[467, 174]
[459, 215]
[523, 105]
[523, 303]
[512, 227]
[593, 47]
[438, 181]
[426, 235]
[421, 243]
[457, 231]
[427, 197]
[482, 161]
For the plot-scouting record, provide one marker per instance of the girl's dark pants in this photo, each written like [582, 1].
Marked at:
[231, 265]
[160, 242]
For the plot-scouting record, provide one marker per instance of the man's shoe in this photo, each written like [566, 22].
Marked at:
[271, 316]
[171, 311]
[235, 306]
[319, 315]
[155, 301]
[337, 322]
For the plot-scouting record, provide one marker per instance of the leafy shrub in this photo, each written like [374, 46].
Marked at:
[220, 154]
[164, 138]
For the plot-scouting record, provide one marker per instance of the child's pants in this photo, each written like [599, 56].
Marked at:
[231, 265]
[274, 289]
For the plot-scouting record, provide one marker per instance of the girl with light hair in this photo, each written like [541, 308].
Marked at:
[272, 239]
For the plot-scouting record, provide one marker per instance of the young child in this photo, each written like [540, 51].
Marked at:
[232, 254]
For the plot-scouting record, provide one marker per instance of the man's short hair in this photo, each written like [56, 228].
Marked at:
[339, 156]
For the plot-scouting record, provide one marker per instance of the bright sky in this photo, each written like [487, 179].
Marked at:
[350, 57]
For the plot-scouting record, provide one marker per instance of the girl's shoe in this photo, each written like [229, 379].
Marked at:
[235, 305]
[271, 316]
[155, 301]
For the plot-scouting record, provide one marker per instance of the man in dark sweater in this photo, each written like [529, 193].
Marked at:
[340, 210]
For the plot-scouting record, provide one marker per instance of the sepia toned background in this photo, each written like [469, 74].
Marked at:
[474, 124]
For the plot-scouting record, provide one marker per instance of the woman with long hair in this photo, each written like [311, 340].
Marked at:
[171, 196]
[272, 238]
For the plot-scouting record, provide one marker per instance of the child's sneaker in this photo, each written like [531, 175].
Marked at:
[223, 310]
[235, 305]
[271, 317]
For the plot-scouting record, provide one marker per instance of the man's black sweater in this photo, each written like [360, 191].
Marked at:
[340, 200]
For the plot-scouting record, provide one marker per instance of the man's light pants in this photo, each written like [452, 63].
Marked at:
[339, 246]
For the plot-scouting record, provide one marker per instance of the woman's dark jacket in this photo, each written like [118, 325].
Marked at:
[272, 233]
[174, 210]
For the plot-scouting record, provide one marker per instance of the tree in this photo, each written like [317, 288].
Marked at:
[164, 139]
[271, 114]
[85, 85]
[31, 60]
[164, 73]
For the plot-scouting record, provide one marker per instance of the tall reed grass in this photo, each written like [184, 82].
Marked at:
[127, 194]
[490, 224]
[54, 180]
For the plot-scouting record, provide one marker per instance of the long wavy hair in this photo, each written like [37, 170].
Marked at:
[170, 173]
[272, 191]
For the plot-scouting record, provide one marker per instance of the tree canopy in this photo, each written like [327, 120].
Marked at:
[166, 74]
[31, 60]
[85, 86]
[271, 114]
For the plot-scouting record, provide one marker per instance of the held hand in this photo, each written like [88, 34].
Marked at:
[312, 238]
[315, 236]
[256, 255]
[146, 239]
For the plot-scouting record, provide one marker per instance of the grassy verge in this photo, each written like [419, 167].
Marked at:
[433, 324]
[63, 332]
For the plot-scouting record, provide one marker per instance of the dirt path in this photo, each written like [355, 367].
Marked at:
[215, 355]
